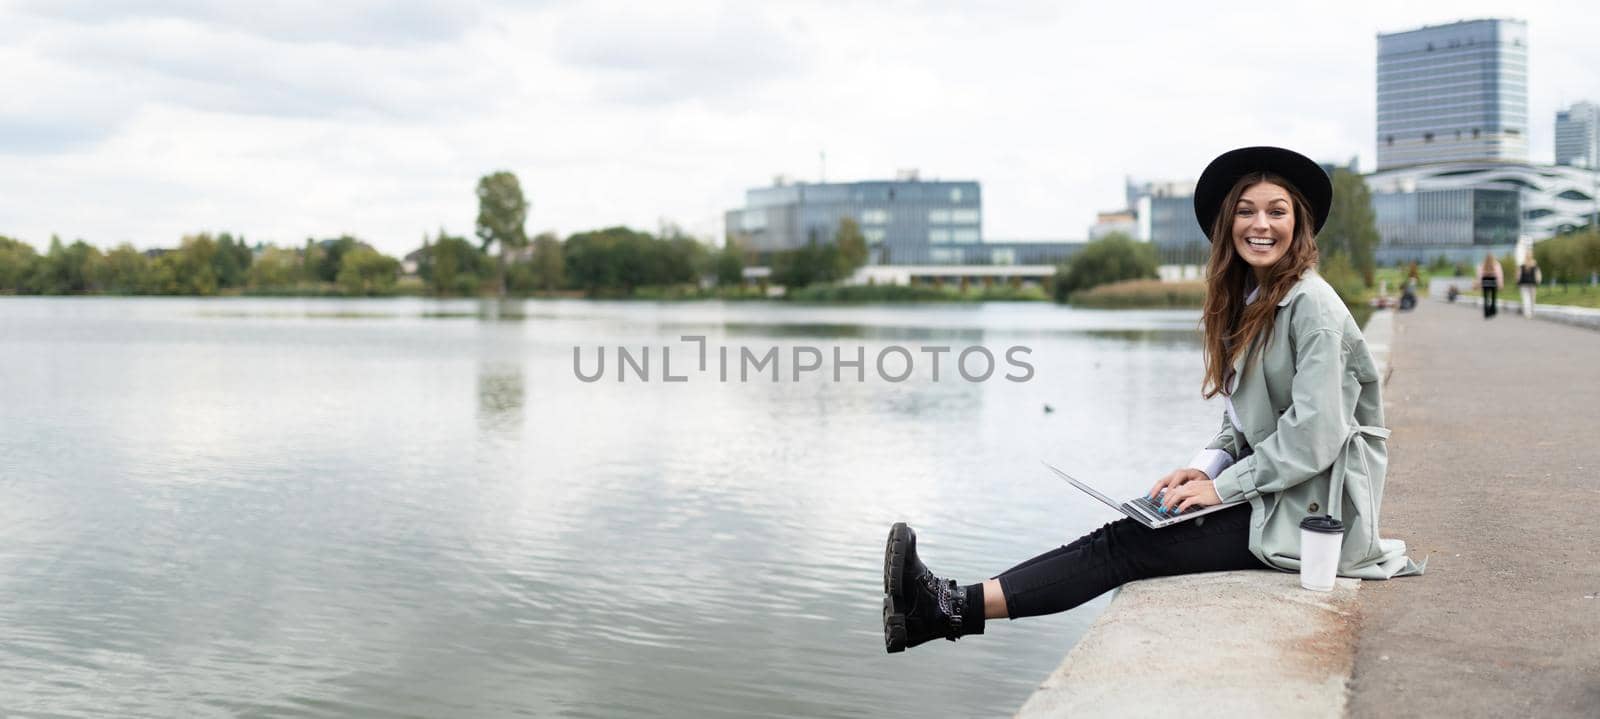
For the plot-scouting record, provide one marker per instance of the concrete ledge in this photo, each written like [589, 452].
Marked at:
[1226, 643]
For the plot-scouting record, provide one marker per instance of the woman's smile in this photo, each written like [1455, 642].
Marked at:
[1263, 225]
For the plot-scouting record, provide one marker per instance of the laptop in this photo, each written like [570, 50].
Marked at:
[1142, 509]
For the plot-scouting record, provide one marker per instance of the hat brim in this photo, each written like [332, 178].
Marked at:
[1221, 175]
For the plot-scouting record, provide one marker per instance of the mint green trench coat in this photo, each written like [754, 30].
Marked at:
[1310, 403]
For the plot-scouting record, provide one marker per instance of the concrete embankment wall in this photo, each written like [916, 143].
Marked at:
[1218, 644]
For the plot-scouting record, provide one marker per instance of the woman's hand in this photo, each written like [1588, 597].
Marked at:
[1177, 478]
[1191, 495]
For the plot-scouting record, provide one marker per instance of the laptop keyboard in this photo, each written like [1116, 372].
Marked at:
[1154, 507]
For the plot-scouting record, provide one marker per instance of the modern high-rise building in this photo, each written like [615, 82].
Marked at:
[1578, 136]
[1456, 92]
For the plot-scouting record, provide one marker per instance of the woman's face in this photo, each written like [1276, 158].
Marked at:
[1263, 225]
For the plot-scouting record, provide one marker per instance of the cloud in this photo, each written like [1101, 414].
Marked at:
[183, 63]
[347, 22]
[667, 54]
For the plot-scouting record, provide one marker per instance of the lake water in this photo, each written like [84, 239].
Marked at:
[295, 507]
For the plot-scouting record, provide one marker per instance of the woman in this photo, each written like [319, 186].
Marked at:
[1301, 435]
[1490, 277]
[1528, 278]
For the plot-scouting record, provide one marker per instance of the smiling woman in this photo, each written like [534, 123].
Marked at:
[1302, 437]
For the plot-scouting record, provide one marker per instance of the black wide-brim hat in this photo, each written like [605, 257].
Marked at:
[1223, 172]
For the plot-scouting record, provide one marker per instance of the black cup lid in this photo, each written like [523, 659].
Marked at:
[1325, 524]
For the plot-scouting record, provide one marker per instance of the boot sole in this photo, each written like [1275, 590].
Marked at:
[901, 540]
[894, 627]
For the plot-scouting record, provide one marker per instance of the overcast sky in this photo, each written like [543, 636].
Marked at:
[146, 120]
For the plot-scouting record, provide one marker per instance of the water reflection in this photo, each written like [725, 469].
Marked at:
[500, 397]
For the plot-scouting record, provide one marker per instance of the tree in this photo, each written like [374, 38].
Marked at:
[852, 247]
[68, 269]
[192, 267]
[1112, 258]
[1351, 228]
[330, 257]
[232, 260]
[276, 267]
[812, 263]
[502, 212]
[729, 265]
[452, 266]
[127, 271]
[364, 271]
[548, 269]
[18, 262]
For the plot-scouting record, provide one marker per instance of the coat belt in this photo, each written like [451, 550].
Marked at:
[1341, 462]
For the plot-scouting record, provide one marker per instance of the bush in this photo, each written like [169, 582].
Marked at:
[1336, 269]
[1142, 294]
[1113, 258]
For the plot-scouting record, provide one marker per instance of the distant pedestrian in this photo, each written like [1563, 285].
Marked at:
[1528, 278]
[1490, 277]
[1303, 419]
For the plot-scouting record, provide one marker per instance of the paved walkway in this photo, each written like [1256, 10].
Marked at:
[1494, 471]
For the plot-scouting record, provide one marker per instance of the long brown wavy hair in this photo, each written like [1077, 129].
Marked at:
[1231, 327]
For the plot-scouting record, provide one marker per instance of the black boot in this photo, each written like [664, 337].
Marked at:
[918, 606]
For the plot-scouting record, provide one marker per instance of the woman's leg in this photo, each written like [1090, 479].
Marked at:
[1116, 554]
[1527, 300]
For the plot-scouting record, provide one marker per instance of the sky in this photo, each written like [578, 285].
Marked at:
[146, 120]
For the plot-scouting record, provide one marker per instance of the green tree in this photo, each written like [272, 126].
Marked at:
[330, 257]
[232, 261]
[275, 268]
[810, 264]
[729, 266]
[192, 267]
[1351, 228]
[68, 269]
[18, 263]
[548, 269]
[1112, 258]
[502, 213]
[365, 271]
[452, 266]
[127, 271]
[852, 247]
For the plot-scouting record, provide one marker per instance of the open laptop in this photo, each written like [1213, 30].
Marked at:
[1142, 509]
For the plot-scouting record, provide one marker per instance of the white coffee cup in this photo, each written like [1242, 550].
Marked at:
[1321, 538]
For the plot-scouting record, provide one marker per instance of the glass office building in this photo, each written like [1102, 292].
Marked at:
[904, 221]
[1578, 135]
[1453, 92]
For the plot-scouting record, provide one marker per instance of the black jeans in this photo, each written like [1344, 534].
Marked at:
[1124, 551]
[1491, 298]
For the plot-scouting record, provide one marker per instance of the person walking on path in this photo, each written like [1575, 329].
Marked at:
[1528, 278]
[1302, 434]
[1490, 277]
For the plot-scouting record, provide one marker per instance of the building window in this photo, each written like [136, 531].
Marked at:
[939, 217]
[964, 234]
[1474, 133]
[752, 220]
[1427, 137]
[1390, 140]
[964, 217]
[945, 255]
[938, 236]
[873, 234]
[1002, 256]
[955, 194]
[874, 217]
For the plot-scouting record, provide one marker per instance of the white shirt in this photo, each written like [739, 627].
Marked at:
[1213, 461]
